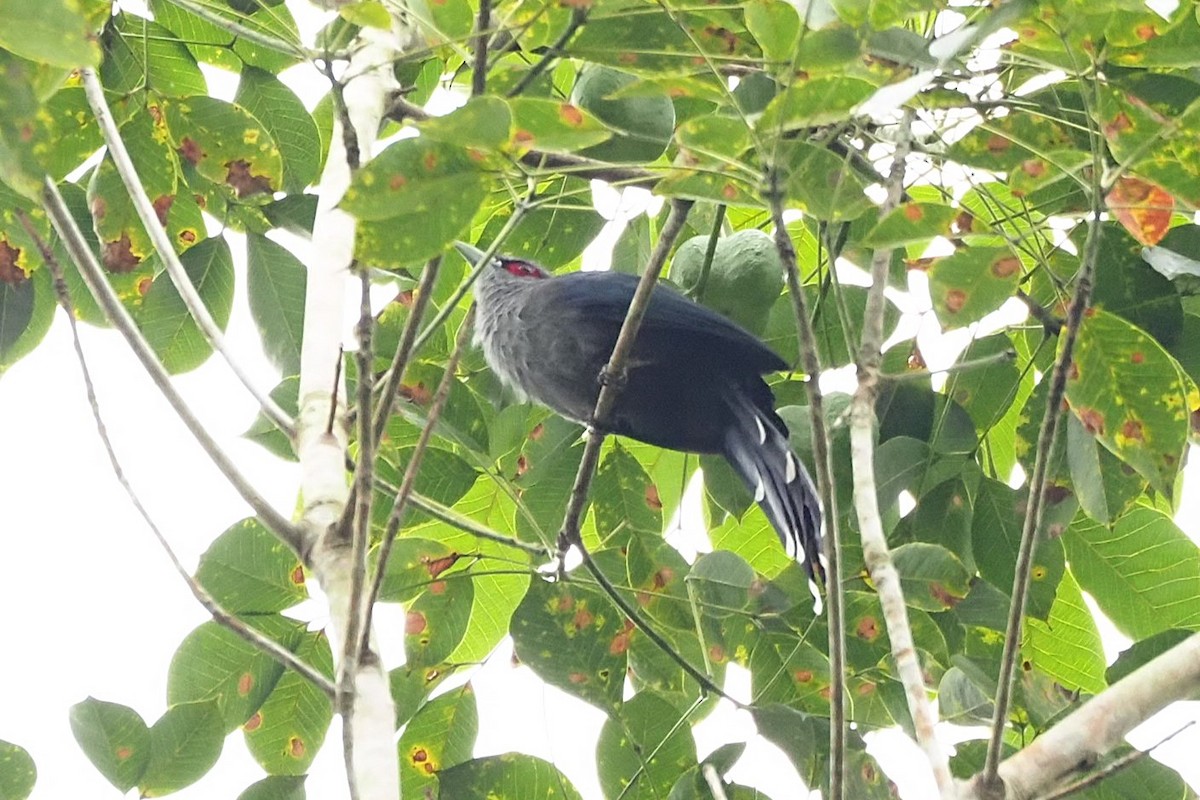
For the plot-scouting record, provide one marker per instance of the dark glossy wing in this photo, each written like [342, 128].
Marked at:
[605, 296]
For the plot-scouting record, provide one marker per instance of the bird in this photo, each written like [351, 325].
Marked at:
[693, 381]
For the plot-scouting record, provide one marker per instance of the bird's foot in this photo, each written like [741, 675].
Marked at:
[566, 540]
[614, 378]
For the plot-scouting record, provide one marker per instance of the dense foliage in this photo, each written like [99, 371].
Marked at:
[1023, 119]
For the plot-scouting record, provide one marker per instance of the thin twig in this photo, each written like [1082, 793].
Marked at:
[93, 276]
[222, 617]
[1035, 506]
[1052, 324]
[414, 464]
[710, 252]
[961, 366]
[166, 251]
[483, 21]
[822, 458]
[579, 15]
[862, 449]
[394, 377]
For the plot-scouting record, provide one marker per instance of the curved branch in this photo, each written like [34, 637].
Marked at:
[222, 617]
[1083, 737]
[166, 251]
[93, 276]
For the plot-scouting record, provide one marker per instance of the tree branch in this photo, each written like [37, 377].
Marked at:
[1081, 739]
[811, 362]
[166, 250]
[866, 499]
[222, 617]
[479, 71]
[93, 276]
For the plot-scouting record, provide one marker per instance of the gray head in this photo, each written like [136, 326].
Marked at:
[503, 275]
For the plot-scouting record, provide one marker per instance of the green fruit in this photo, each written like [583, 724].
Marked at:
[643, 124]
[745, 278]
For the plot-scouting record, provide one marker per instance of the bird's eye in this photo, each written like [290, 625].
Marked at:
[522, 269]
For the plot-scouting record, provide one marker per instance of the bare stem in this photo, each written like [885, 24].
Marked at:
[395, 374]
[483, 21]
[166, 251]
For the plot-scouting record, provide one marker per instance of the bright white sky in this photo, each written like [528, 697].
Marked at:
[93, 607]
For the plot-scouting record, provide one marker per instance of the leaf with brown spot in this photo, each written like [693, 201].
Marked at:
[1143, 208]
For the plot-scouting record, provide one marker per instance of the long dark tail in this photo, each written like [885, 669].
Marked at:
[757, 448]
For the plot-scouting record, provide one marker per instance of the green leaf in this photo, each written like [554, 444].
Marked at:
[721, 583]
[512, 776]
[286, 732]
[972, 283]
[115, 740]
[185, 743]
[932, 577]
[554, 233]
[1131, 395]
[917, 223]
[437, 620]
[484, 122]
[164, 318]
[276, 787]
[996, 537]
[776, 26]
[227, 145]
[642, 752]
[214, 663]
[18, 773]
[141, 54]
[440, 736]
[986, 391]
[412, 200]
[553, 126]
[222, 47]
[283, 116]
[248, 570]
[1143, 572]
[1129, 287]
[1141, 653]
[818, 101]
[575, 639]
[621, 496]
[821, 183]
[26, 311]
[55, 32]
[276, 282]
[1066, 646]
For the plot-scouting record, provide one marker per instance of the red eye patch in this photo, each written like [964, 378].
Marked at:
[522, 269]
